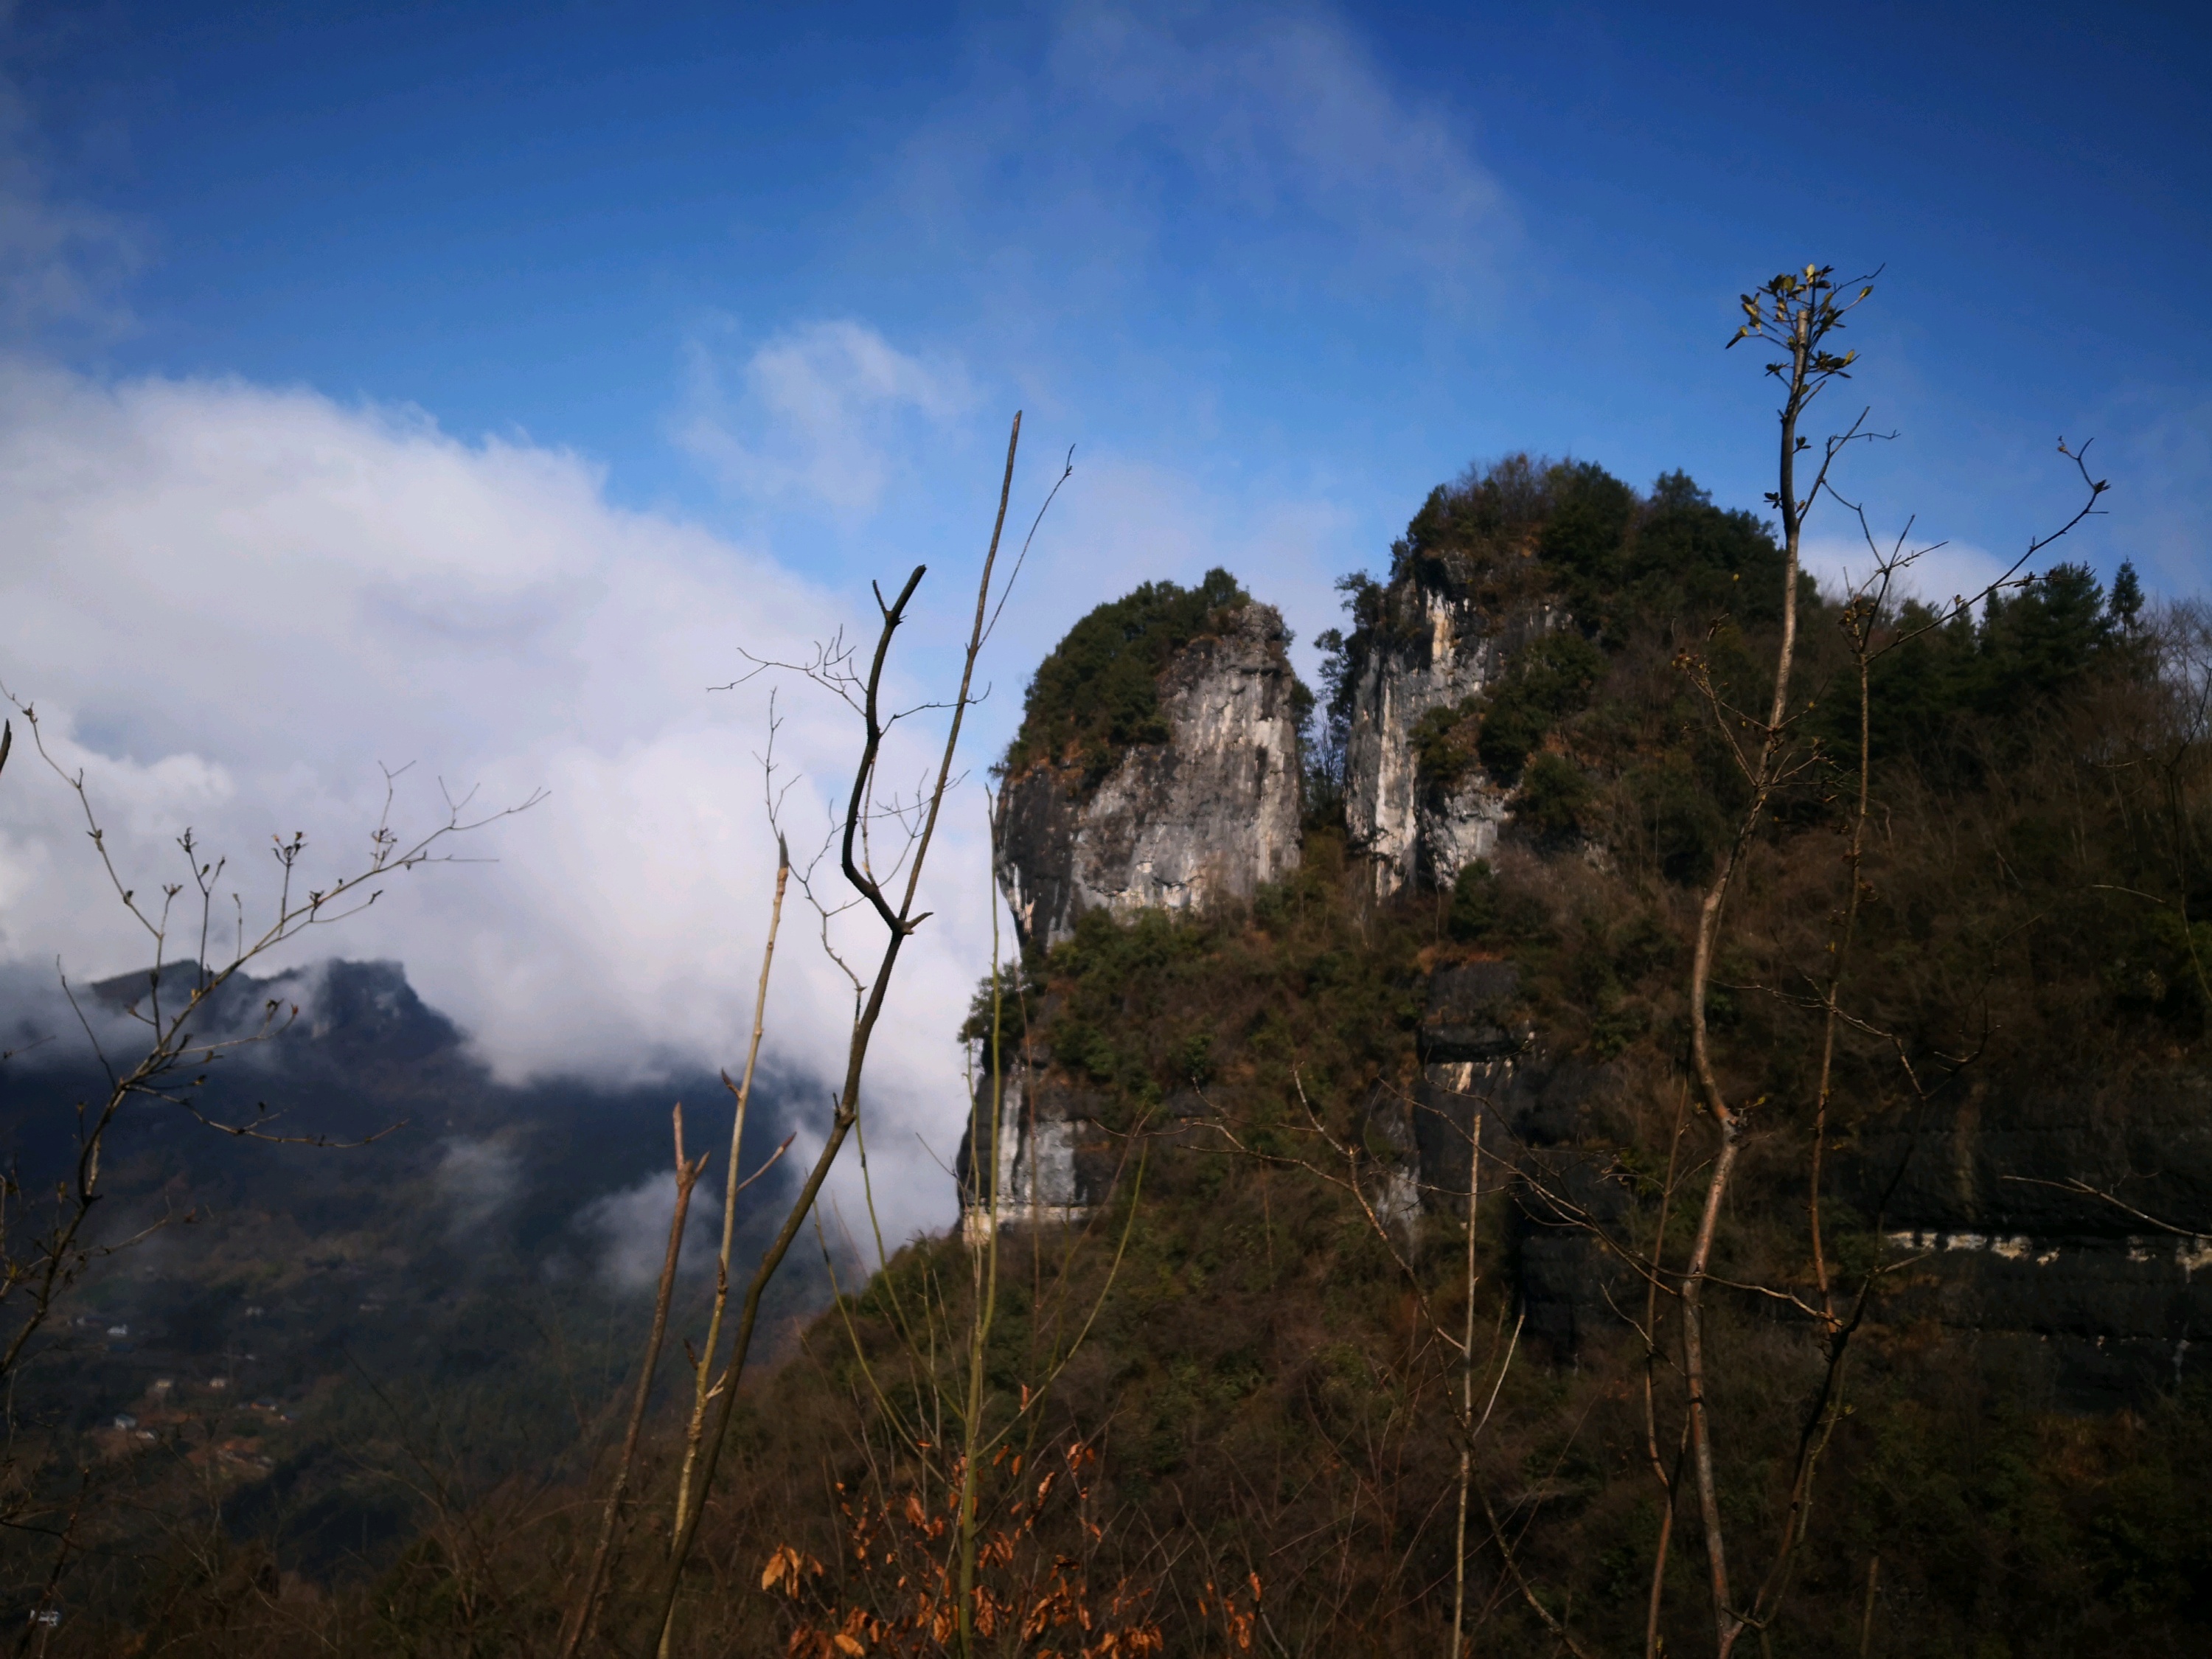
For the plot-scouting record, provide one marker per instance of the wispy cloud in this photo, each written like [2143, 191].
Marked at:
[1125, 520]
[630, 1229]
[1946, 571]
[64, 263]
[816, 415]
[2156, 444]
[477, 1179]
[1262, 142]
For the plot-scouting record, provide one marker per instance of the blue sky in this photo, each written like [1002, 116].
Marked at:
[462, 382]
[1297, 256]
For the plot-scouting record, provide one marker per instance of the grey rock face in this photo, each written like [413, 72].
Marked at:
[1436, 649]
[1977, 1207]
[1047, 1157]
[1212, 813]
[1985, 1241]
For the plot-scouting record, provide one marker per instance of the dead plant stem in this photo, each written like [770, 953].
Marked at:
[898, 924]
[1459, 1646]
[701, 1388]
[587, 1604]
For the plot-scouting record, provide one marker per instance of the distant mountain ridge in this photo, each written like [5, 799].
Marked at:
[476, 1251]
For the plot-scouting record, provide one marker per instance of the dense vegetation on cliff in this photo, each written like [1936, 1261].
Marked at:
[1097, 693]
[2031, 941]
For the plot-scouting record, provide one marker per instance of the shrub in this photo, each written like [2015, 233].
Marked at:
[1553, 794]
[1474, 903]
[1681, 820]
[1547, 681]
[1443, 742]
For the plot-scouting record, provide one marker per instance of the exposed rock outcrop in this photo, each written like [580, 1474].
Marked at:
[1050, 1160]
[1981, 1202]
[1212, 812]
[1989, 1241]
[1435, 647]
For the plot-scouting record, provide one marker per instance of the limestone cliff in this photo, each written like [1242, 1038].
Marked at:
[1433, 648]
[1211, 812]
[1980, 1206]
[1051, 1159]
[1990, 1242]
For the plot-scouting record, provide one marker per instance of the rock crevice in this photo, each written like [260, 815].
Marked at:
[1436, 649]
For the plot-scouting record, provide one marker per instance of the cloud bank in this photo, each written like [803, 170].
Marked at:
[234, 604]
[230, 604]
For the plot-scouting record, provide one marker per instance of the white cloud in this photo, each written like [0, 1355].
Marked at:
[1946, 571]
[819, 417]
[1267, 136]
[230, 604]
[631, 1229]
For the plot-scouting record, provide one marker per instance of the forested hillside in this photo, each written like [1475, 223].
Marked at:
[1708, 1147]
[1254, 1439]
